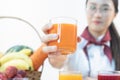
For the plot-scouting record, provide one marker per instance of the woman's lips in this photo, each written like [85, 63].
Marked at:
[97, 22]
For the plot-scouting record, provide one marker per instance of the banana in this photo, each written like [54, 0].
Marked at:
[12, 56]
[28, 52]
[18, 63]
[1, 54]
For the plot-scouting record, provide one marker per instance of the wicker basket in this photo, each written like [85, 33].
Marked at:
[31, 75]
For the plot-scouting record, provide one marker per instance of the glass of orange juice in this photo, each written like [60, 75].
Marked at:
[66, 28]
[70, 75]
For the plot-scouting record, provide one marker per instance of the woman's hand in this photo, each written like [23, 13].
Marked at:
[54, 56]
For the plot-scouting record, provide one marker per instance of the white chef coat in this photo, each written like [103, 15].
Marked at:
[96, 61]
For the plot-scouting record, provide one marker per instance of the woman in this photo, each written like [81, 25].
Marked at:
[99, 48]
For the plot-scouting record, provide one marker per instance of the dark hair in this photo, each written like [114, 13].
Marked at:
[115, 45]
[115, 39]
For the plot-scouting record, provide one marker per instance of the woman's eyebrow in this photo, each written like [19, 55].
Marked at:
[105, 5]
[92, 3]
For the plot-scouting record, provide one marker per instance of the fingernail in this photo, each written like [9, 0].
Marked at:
[53, 48]
[54, 36]
[49, 49]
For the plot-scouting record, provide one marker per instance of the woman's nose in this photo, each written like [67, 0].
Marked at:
[98, 13]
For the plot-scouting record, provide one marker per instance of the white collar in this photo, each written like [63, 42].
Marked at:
[99, 38]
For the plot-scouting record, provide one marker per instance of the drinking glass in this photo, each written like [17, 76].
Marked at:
[109, 75]
[66, 28]
[70, 75]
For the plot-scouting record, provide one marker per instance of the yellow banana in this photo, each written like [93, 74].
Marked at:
[12, 56]
[28, 52]
[1, 54]
[18, 63]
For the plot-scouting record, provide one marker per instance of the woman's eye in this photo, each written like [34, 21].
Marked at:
[92, 7]
[105, 9]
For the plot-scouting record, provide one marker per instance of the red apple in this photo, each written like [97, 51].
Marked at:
[11, 71]
[3, 76]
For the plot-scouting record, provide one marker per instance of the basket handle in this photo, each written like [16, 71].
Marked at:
[20, 19]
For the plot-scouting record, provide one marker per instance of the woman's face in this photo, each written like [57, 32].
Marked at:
[100, 14]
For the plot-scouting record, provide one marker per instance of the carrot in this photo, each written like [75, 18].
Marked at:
[38, 57]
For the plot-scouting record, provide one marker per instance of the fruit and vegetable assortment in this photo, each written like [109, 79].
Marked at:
[18, 59]
[21, 61]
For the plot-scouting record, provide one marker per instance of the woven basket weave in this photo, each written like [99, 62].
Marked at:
[33, 75]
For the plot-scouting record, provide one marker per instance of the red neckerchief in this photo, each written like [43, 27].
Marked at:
[92, 40]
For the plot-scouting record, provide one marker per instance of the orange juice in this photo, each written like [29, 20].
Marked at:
[67, 40]
[70, 76]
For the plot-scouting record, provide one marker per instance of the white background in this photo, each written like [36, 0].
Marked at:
[38, 13]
